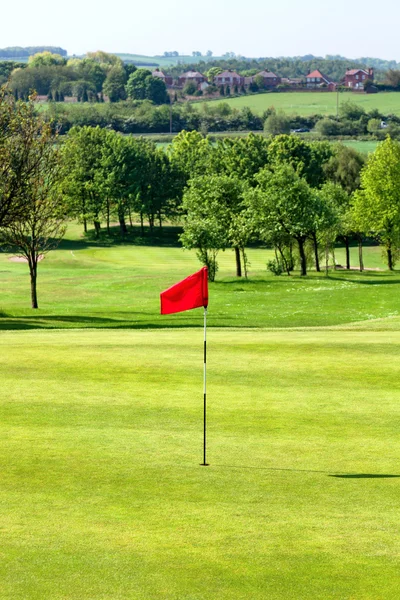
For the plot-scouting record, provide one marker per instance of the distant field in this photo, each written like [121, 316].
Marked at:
[309, 103]
[164, 61]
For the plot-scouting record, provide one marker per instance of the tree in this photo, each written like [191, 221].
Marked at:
[307, 159]
[241, 156]
[277, 123]
[191, 154]
[344, 167]
[24, 140]
[46, 59]
[210, 203]
[114, 84]
[41, 225]
[284, 203]
[82, 173]
[143, 86]
[379, 203]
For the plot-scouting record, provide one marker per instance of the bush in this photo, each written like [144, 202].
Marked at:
[275, 266]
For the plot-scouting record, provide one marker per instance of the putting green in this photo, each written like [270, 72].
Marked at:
[101, 490]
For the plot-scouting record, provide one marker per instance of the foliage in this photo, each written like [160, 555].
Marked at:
[143, 86]
[24, 142]
[377, 207]
[277, 123]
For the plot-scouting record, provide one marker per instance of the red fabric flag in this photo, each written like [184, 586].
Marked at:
[189, 293]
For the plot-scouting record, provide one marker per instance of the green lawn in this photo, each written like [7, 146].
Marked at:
[88, 285]
[310, 103]
[101, 492]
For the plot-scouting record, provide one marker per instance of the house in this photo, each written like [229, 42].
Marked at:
[316, 79]
[167, 79]
[228, 78]
[292, 81]
[270, 79]
[355, 78]
[191, 76]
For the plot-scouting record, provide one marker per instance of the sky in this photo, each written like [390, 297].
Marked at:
[252, 28]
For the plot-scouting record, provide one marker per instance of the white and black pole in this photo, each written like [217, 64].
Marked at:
[205, 463]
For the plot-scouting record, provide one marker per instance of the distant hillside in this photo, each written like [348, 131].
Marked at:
[284, 66]
[17, 52]
[163, 61]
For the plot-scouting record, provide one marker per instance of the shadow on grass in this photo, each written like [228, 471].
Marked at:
[38, 321]
[329, 473]
[364, 476]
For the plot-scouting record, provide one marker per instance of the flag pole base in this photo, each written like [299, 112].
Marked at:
[204, 464]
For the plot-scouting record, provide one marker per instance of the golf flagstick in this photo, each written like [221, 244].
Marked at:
[205, 463]
[189, 293]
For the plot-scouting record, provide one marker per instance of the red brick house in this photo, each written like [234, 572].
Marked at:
[167, 79]
[270, 79]
[192, 76]
[316, 79]
[228, 78]
[355, 78]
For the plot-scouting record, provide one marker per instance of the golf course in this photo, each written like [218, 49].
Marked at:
[102, 493]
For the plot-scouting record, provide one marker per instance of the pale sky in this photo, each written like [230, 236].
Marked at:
[256, 28]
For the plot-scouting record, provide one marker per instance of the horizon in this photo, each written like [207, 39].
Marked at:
[254, 30]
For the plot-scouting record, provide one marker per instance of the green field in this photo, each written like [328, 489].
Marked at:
[311, 103]
[101, 490]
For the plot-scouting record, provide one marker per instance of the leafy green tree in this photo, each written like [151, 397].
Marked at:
[24, 142]
[143, 86]
[277, 123]
[46, 59]
[114, 84]
[191, 154]
[306, 159]
[83, 174]
[243, 157]
[379, 203]
[212, 205]
[344, 167]
[284, 202]
[31, 214]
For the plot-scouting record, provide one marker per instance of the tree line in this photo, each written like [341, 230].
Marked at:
[299, 198]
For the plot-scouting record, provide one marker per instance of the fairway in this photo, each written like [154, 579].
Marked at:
[101, 489]
[102, 494]
[312, 103]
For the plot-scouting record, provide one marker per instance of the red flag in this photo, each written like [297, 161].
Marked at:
[189, 293]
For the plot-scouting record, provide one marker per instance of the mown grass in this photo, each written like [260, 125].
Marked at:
[101, 492]
[311, 103]
[87, 284]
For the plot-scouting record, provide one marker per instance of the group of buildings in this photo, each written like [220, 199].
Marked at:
[354, 79]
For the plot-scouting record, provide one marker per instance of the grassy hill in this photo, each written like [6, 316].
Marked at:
[310, 103]
[163, 61]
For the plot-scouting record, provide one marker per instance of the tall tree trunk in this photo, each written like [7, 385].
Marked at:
[33, 274]
[326, 259]
[108, 216]
[130, 217]
[122, 224]
[238, 263]
[141, 224]
[347, 244]
[303, 260]
[160, 221]
[389, 256]
[360, 253]
[84, 225]
[151, 222]
[96, 224]
[245, 262]
[315, 242]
